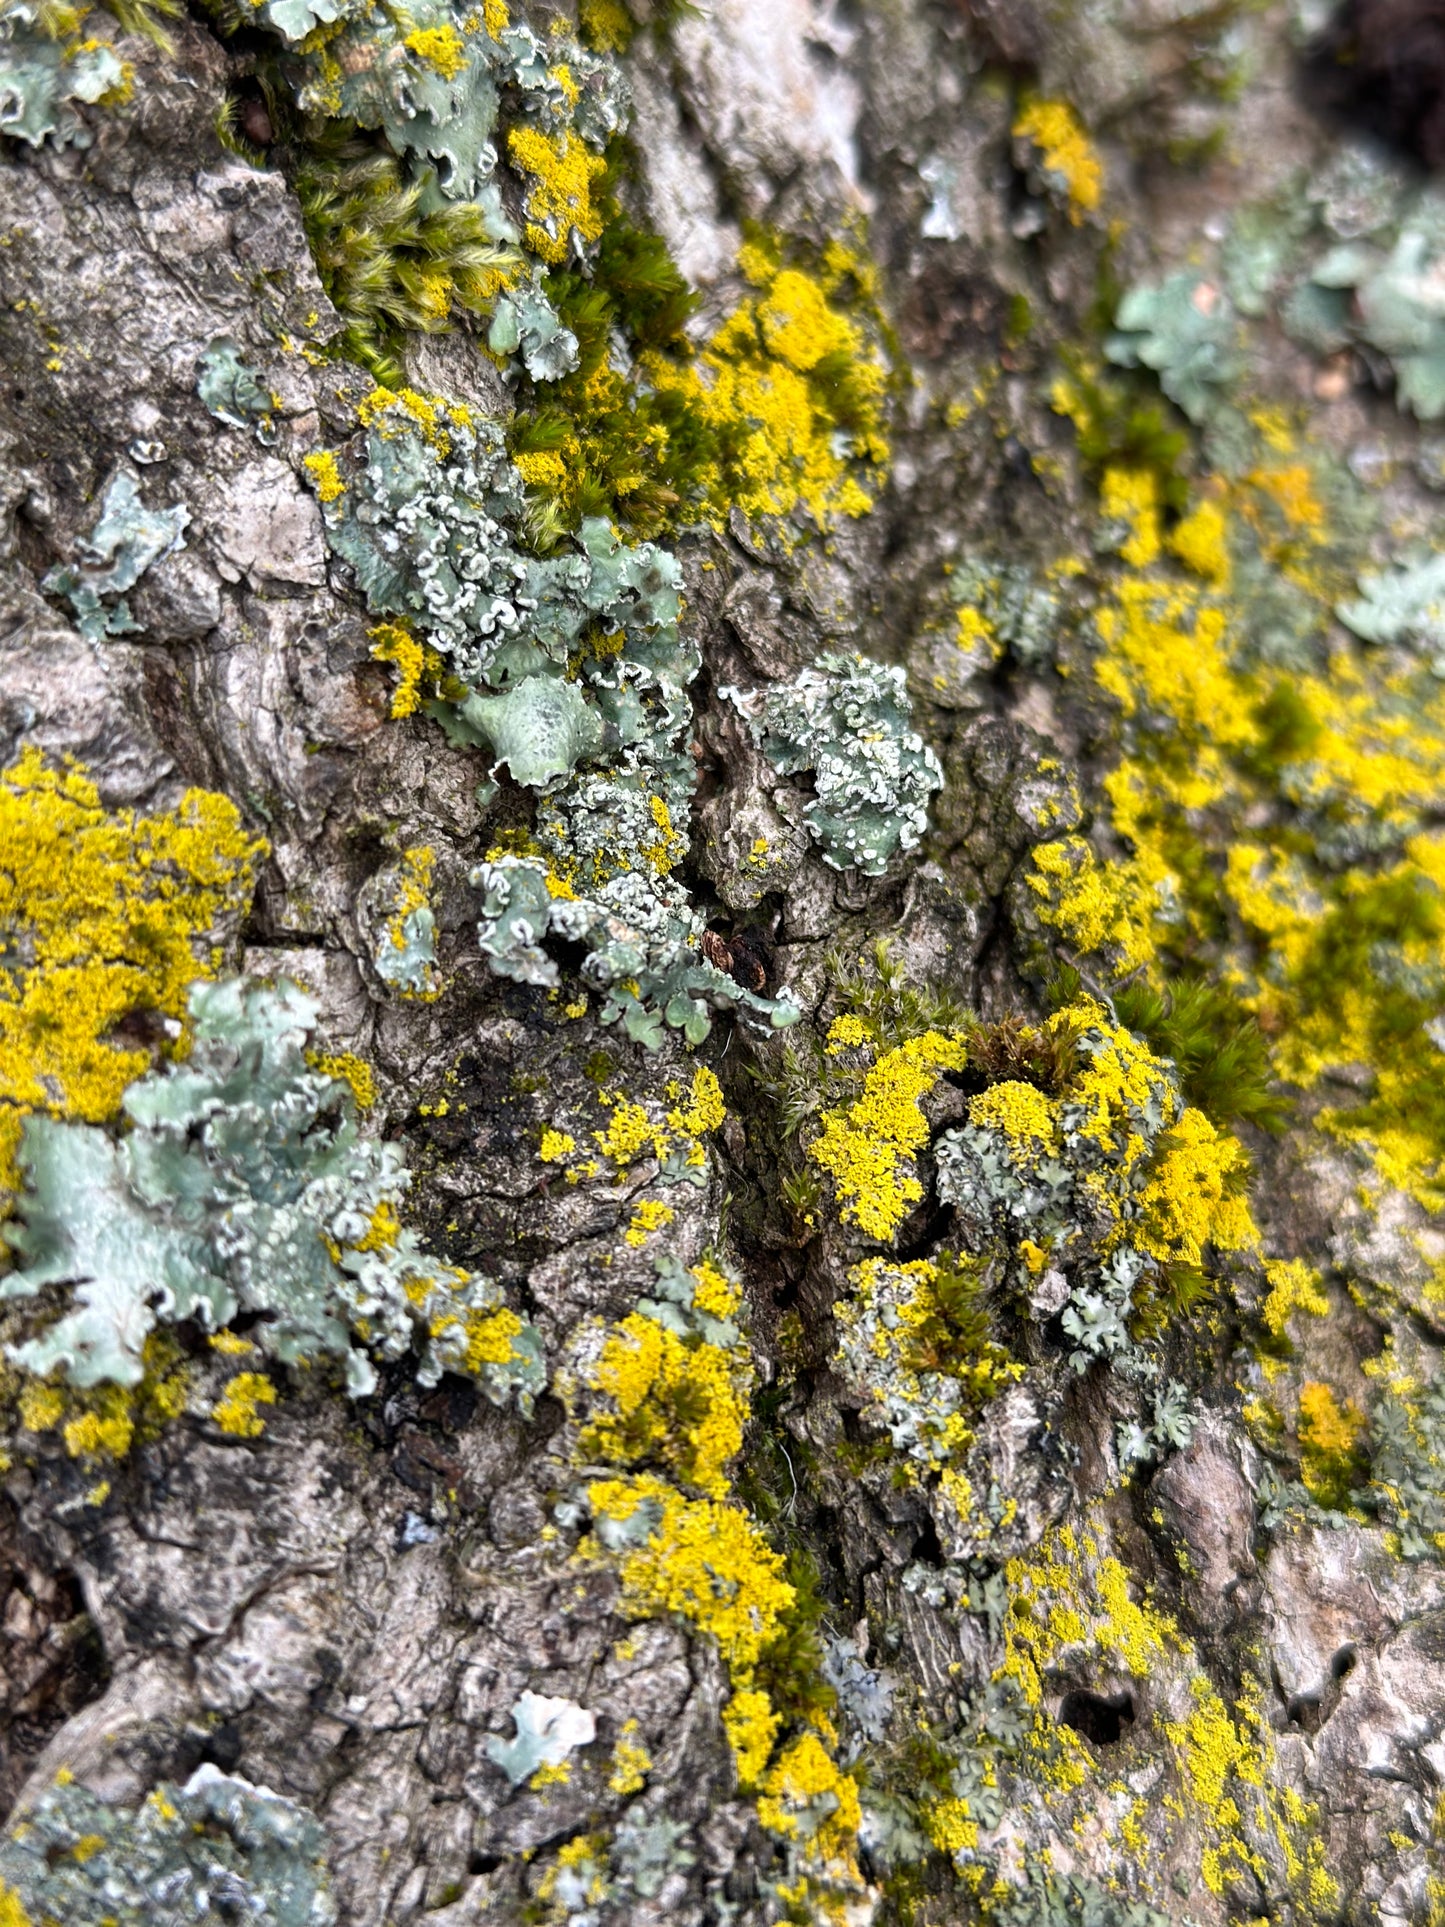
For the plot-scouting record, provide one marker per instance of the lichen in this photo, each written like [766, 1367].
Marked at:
[868, 1149]
[186, 1853]
[1065, 156]
[128, 539]
[243, 1186]
[848, 722]
[51, 65]
[103, 915]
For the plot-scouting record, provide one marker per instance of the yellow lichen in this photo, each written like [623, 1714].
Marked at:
[236, 1411]
[751, 1726]
[559, 201]
[390, 642]
[766, 385]
[868, 1149]
[631, 1761]
[681, 1406]
[1293, 1286]
[1065, 150]
[440, 48]
[705, 1561]
[648, 1216]
[349, 1069]
[325, 476]
[100, 918]
[1020, 1111]
[804, 1777]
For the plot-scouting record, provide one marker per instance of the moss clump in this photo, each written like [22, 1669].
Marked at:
[392, 256]
[781, 409]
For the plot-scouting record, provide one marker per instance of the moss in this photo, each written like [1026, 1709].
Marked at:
[103, 916]
[1216, 1045]
[392, 257]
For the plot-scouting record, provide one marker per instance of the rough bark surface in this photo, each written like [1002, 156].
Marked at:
[347, 1608]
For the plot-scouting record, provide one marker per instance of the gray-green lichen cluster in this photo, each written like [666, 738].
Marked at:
[216, 1849]
[1186, 330]
[243, 1185]
[548, 1729]
[1351, 258]
[233, 393]
[1402, 607]
[849, 723]
[46, 68]
[126, 541]
[569, 659]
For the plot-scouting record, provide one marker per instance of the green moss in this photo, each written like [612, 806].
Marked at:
[1120, 422]
[1217, 1046]
[392, 255]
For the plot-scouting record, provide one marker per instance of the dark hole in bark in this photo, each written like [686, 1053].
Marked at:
[1344, 1663]
[479, 1863]
[1099, 1717]
[1379, 66]
[1303, 1711]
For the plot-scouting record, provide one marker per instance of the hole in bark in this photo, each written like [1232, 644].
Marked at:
[1100, 1718]
[1303, 1711]
[479, 1863]
[223, 1748]
[1380, 66]
[1343, 1663]
[927, 1547]
[52, 1662]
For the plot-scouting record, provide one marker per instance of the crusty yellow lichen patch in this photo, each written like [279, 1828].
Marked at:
[237, 1411]
[868, 1149]
[563, 175]
[670, 1132]
[103, 915]
[1075, 1613]
[791, 386]
[680, 1406]
[706, 1562]
[1065, 152]
[104, 1421]
[417, 666]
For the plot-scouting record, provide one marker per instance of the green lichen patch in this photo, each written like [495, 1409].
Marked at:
[243, 1186]
[213, 1847]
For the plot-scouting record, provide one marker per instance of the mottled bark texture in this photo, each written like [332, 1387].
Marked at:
[346, 1607]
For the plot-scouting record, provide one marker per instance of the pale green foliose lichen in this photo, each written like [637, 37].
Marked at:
[1187, 332]
[432, 524]
[44, 72]
[217, 1848]
[547, 1731]
[1402, 607]
[432, 80]
[1391, 301]
[849, 722]
[233, 393]
[243, 1185]
[525, 323]
[127, 540]
[642, 948]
